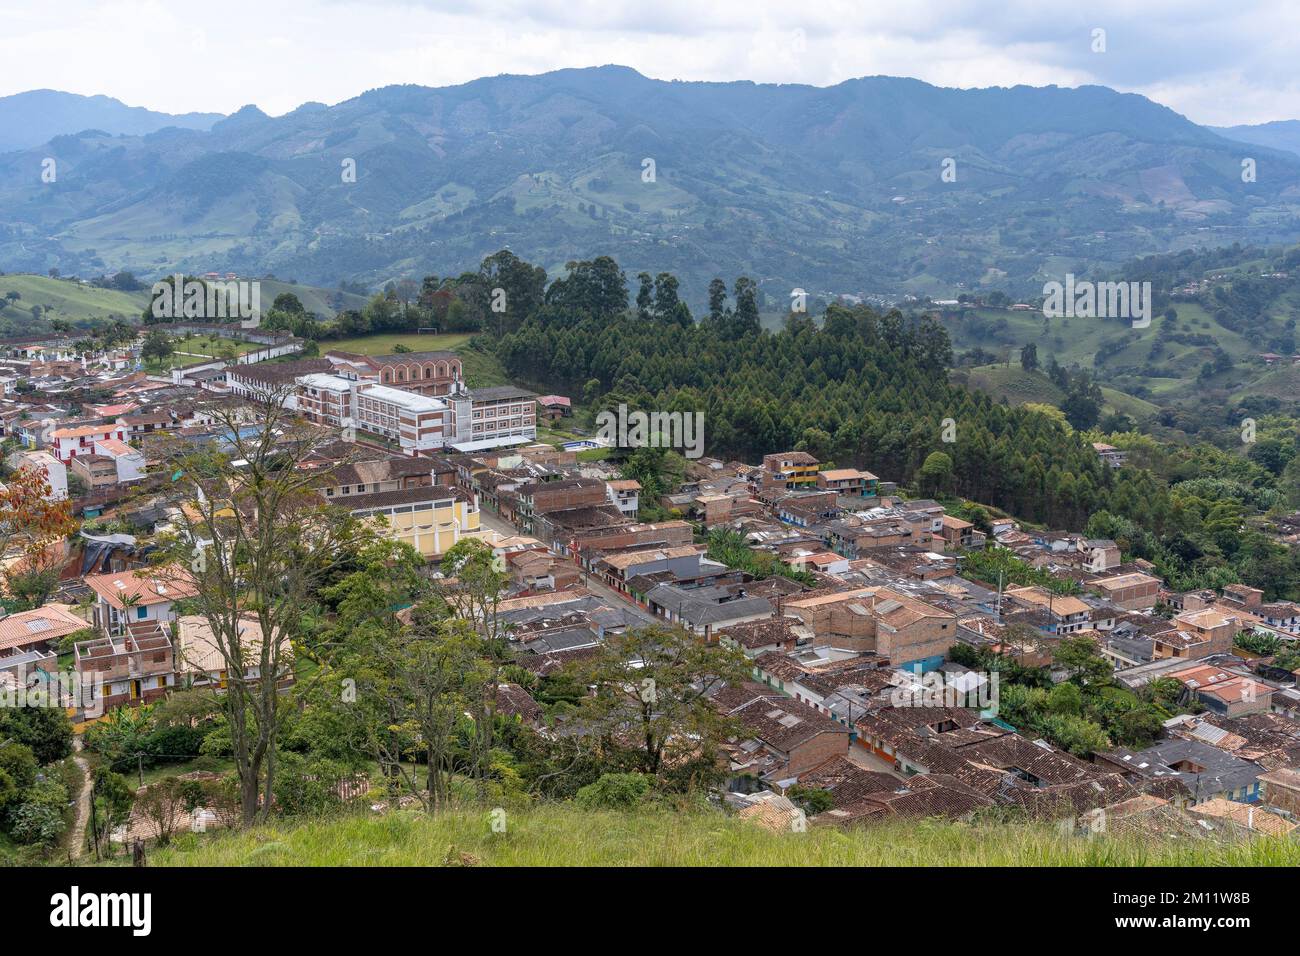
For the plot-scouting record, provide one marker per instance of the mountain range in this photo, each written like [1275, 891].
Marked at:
[878, 185]
[1280, 134]
[37, 116]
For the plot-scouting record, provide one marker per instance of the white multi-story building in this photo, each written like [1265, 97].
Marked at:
[493, 417]
[416, 422]
[325, 399]
[625, 495]
[467, 420]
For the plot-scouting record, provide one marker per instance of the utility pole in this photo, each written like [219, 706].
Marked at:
[139, 763]
[94, 821]
[999, 605]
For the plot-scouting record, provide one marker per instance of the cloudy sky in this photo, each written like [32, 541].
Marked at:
[1217, 63]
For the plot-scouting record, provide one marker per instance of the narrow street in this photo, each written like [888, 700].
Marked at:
[493, 522]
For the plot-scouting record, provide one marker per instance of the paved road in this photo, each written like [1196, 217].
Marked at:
[867, 760]
[494, 522]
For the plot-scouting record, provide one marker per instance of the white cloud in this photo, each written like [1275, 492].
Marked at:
[1215, 63]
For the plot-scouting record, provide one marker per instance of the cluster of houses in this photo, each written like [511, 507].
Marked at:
[129, 645]
[96, 428]
[854, 689]
[844, 667]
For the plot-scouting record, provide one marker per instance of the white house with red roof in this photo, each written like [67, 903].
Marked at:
[69, 442]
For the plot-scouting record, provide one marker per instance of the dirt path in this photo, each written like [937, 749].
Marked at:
[77, 838]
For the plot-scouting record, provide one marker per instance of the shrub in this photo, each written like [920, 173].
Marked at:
[17, 774]
[308, 787]
[39, 820]
[811, 800]
[175, 742]
[45, 730]
[614, 791]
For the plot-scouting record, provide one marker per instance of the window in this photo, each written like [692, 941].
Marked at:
[141, 613]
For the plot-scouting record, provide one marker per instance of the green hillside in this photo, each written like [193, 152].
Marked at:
[1130, 405]
[80, 304]
[1161, 362]
[1282, 382]
[1014, 384]
[65, 299]
[1020, 387]
[569, 836]
[326, 303]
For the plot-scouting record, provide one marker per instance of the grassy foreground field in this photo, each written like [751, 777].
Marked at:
[568, 836]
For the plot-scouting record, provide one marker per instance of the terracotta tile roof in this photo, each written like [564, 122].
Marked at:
[515, 701]
[931, 795]
[47, 623]
[784, 723]
[1244, 815]
[151, 585]
[760, 633]
[85, 431]
[848, 783]
[114, 446]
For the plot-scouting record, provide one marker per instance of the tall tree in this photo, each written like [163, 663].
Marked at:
[746, 319]
[645, 295]
[666, 300]
[651, 708]
[474, 583]
[256, 542]
[717, 300]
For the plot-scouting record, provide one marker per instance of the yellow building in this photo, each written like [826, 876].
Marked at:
[797, 469]
[430, 519]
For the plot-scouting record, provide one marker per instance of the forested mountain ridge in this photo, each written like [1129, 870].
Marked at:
[870, 390]
[836, 190]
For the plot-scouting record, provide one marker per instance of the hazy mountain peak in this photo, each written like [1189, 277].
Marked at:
[241, 116]
[37, 116]
[1278, 134]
